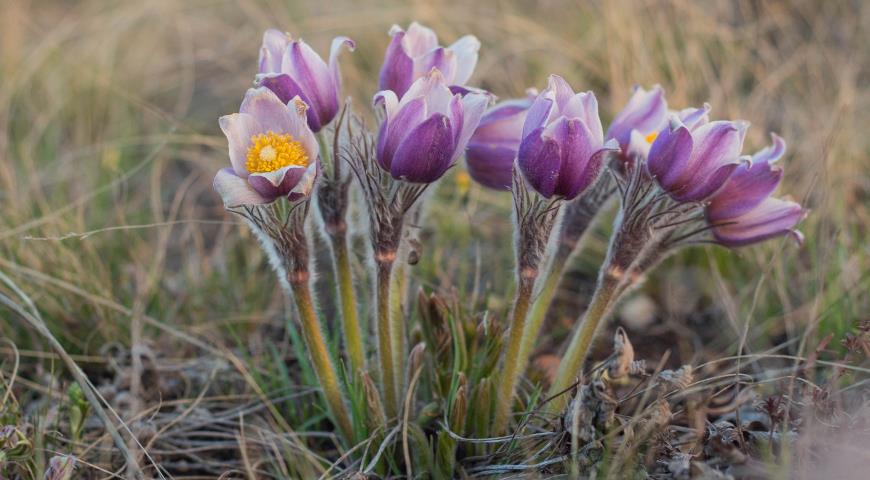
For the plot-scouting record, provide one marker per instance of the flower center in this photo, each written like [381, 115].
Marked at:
[270, 151]
[651, 137]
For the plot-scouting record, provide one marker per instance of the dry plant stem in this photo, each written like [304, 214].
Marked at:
[386, 338]
[512, 363]
[347, 295]
[323, 365]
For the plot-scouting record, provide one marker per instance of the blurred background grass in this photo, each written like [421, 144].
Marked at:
[109, 142]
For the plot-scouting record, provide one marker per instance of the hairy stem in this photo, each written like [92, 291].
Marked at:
[398, 284]
[350, 317]
[513, 365]
[323, 364]
[385, 337]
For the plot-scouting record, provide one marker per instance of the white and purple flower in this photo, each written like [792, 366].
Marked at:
[424, 133]
[413, 53]
[272, 151]
[562, 149]
[291, 68]
[742, 212]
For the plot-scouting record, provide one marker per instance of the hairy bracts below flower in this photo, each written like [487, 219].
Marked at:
[272, 151]
[290, 68]
[413, 53]
[424, 133]
[562, 148]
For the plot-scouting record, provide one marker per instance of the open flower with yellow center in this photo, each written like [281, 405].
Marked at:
[272, 151]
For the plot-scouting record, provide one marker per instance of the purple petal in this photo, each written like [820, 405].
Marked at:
[235, 191]
[334, 50]
[473, 107]
[771, 153]
[539, 160]
[746, 189]
[539, 113]
[440, 59]
[272, 51]
[465, 50]
[576, 145]
[585, 107]
[239, 128]
[693, 118]
[491, 165]
[426, 153]
[419, 39]
[669, 156]
[276, 184]
[772, 218]
[561, 90]
[262, 104]
[314, 77]
[715, 144]
[700, 188]
[646, 112]
[286, 89]
[394, 130]
[397, 72]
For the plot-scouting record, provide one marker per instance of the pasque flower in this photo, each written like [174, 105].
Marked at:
[642, 117]
[562, 148]
[291, 68]
[424, 133]
[743, 212]
[413, 53]
[272, 151]
[691, 164]
[493, 146]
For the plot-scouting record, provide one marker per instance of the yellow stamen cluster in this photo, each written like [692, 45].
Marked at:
[270, 151]
[651, 137]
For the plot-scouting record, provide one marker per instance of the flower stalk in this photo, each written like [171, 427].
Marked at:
[578, 217]
[535, 217]
[332, 200]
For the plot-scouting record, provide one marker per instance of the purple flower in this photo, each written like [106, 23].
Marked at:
[645, 113]
[770, 218]
[692, 164]
[290, 68]
[742, 211]
[493, 146]
[413, 53]
[423, 134]
[272, 151]
[562, 148]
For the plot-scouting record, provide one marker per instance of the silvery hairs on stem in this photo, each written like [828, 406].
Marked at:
[535, 217]
[280, 227]
[387, 199]
[333, 186]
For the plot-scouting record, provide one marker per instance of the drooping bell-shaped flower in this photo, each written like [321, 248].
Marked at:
[692, 164]
[562, 148]
[493, 146]
[742, 211]
[424, 133]
[413, 53]
[272, 151]
[290, 68]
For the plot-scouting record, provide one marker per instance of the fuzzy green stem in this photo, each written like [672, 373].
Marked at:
[323, 364]
[513, 365]
[572, 361]
[344, 278]
[398, 284]
[385, 337]
[542, 302]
